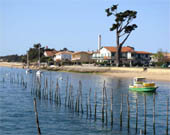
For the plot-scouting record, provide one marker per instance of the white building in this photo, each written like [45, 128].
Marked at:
[128, 55]
[108, 53]
[63, 56]
[50, 53]
[142, 57]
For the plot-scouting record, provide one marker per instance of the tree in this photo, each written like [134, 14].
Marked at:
[34, 52]
[122, 25]
[159, 57]
[37, 46]
[64, 49]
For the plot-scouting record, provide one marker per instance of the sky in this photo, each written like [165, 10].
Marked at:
[76, 24]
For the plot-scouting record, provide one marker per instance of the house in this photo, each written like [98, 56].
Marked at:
[50, 53]
[82, 57]
[164, 57]
[63, 56]
[108, 54]
[142, 58]
[128, 55]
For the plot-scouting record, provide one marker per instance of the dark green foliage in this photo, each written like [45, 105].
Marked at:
[34, 53]
[64, 49]
[37, 45]
[122, 17]
[161, 60]
[122, 25]
[14, 58]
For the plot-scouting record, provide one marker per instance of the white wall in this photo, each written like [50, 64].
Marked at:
[129, 55]
[45, 54]
[57, 57]
[62, 56]
[105, 52]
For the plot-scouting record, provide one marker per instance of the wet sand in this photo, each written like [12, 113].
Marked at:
[124, 72]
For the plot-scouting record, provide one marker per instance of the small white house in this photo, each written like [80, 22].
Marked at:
[128, 55]
[108, 53]
[63, 56]
[50, 53]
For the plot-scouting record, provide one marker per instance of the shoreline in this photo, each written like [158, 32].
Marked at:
[120, 72]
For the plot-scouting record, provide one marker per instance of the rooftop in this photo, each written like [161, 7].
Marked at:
[124, 49]
[82, 52]
[63, 52]
[51, 53]
[142, 52]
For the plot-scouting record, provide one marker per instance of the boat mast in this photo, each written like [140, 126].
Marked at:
[39, 57]
[27, 59]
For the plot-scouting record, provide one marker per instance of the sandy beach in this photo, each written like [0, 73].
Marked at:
[124, 72]
[11, 64]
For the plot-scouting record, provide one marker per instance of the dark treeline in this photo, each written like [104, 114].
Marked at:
[13, 58]
[33, 55]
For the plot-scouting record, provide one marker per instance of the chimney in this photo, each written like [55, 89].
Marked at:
[99, 42]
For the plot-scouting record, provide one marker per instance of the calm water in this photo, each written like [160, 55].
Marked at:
[17, 115]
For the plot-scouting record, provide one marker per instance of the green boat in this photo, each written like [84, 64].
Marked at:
[140, 84]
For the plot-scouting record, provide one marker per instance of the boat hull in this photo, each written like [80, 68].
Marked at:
[143, 89]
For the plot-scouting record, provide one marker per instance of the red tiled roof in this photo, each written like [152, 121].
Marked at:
[50, 53]
[124, 49]
[81, 52]
[142, 52]
[63, 52]
[111, 49]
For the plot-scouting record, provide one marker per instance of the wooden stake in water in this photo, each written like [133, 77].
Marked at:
[111, 107]
[66, 92]
[121, 110]
[145, 114]
[154, 114]
[77, 102]
[95, 105]
[89, 102]
[81, 96]
[106, 106]
[87, 106]
[128, 105]
[59, 95]
[167, 116]
[36, 115]
[70, 96]
[103, 102]
[136, 115]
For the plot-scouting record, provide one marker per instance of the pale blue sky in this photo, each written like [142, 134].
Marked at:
[75, 24]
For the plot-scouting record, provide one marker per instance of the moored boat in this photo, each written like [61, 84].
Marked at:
[38, 73]
[28, 71]
[140, 84]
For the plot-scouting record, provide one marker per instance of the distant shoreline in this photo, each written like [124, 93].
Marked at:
[121, 72]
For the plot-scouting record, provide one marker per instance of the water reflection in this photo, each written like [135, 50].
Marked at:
[16, 102]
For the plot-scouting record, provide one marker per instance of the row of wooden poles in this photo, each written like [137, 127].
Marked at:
[14, 78]
[75, 101]
[77, 106]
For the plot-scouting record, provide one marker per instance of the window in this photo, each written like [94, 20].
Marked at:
[124, 55]
[139, 56]
[113, 54]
